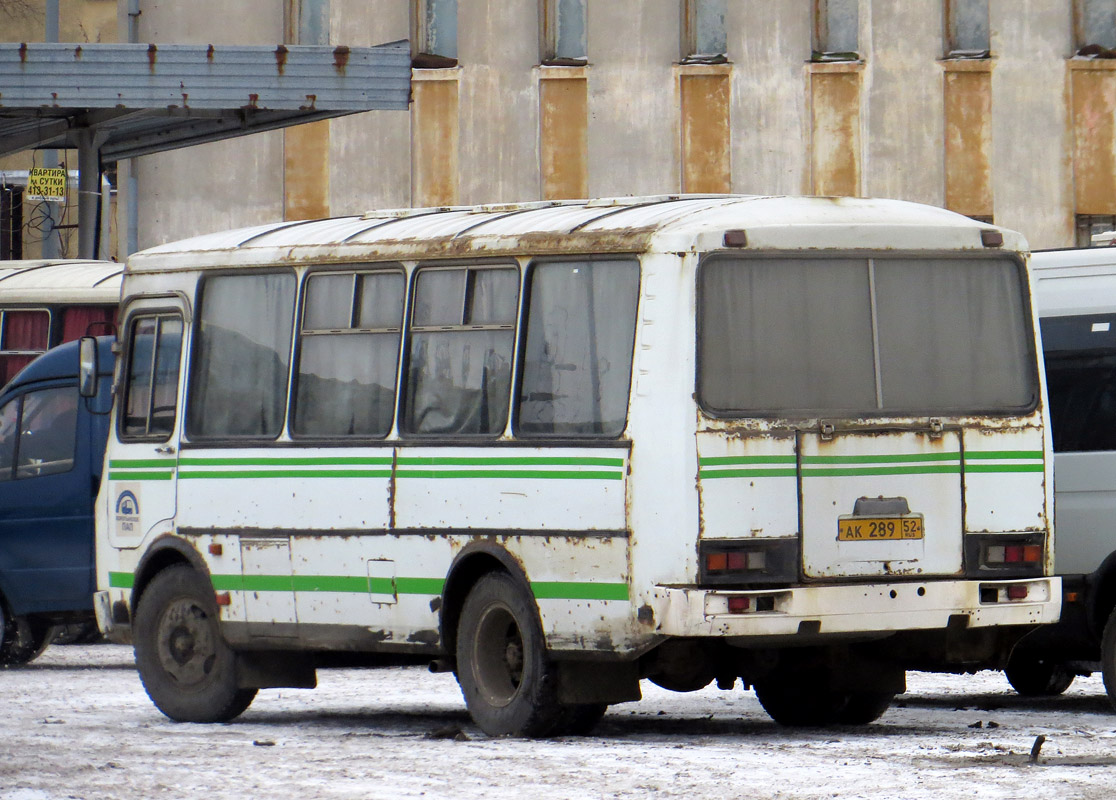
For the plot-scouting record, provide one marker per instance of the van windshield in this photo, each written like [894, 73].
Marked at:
[880, 336]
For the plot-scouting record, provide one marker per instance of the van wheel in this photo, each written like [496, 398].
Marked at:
[1032, 676]
[510, 687]
[186, 667]
[1108, 658]
[796, 704]
[22, 640]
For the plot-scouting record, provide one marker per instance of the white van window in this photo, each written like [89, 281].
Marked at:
[1080, 355]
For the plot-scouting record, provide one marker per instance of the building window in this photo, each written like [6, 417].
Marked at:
[967, 34]
[1095, 225]
[704, 36]
[836, 30]
[435, 34]
[563, 33]
[1094, 23]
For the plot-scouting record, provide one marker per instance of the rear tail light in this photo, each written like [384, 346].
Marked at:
[736, 561]
[1006, 554]
[744, 562]
[1013, 554]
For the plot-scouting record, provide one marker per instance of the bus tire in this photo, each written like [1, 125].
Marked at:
[186, 667]
[22, 639]
[796, 704]
[509, 685]
[1033, 676]
[1108, 657]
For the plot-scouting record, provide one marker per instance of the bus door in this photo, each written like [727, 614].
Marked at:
[880, 503]
[143, 467]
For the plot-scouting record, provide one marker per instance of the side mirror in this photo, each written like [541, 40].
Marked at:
[87, 367]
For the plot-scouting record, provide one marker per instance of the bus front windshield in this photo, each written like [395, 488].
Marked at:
[873, 337]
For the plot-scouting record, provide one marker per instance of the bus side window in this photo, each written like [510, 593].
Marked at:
[349, 354]
[152, 384]
[577, 364]
[47, 432]
[459, 365]
[238, 381]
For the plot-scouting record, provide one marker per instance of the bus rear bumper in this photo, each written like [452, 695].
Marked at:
[864, 608]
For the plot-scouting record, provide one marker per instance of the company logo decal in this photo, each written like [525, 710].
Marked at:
[127, 513]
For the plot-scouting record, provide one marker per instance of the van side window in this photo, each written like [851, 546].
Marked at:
[38, 433]
[577, 362]
[349, 354]
[151, 388]
[1080, 355]
[460, 358]
[238, 377]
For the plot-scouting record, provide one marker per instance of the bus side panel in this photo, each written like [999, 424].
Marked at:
[1005, 481]
[267, 489]
[748, 486]
[529, 488]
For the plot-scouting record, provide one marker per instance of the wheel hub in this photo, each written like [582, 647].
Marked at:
[186, 642]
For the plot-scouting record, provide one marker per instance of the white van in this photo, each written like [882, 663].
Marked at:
[1076, 297]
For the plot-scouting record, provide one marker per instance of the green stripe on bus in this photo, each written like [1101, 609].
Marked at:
[1004, 455]
[758, 472]
[285, 473]
[925, 469]
[890, 458]
[121, 580]
[361, 584]
[513, 461]
[322, 461]
[564, 590]
[540, 474]
[136, 463]
[1005, 468]
[141, 476]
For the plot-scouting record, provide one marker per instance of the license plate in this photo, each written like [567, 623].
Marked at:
[876, 529]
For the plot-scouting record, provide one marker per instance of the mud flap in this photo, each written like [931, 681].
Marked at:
[275, 671]
[581, 682]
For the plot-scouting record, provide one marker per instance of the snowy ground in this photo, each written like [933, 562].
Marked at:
[77, 724]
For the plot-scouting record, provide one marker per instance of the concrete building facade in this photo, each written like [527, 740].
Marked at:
[1000, 109]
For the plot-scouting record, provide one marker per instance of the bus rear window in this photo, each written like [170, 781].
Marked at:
[800, 336]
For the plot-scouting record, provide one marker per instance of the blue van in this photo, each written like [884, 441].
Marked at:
[52, 445]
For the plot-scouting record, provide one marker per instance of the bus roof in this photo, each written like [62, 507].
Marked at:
[674, 223]
[60, 281]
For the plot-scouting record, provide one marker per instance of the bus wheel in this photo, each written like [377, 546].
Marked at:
[22, 640]
[1032, 676]
[1108, 657]
[510, 687]
[186, 667]
[795, 703]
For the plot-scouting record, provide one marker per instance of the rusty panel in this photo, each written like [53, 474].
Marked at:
[706, 133]
[968, 142]
[835, 120]
[564, 137]
[306, 171]
[1094, 137]
[434, 137]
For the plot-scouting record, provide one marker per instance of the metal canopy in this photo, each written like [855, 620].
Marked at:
[114, 101]
[133, 99]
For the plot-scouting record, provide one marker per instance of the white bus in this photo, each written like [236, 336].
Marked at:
[44, 303]
[1076, 298]
[561, 447]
